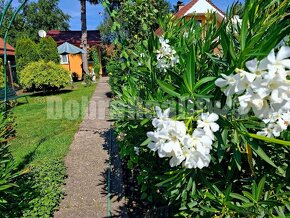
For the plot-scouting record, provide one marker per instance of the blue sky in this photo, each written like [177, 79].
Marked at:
[94, 12]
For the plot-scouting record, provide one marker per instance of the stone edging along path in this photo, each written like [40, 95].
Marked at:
[86, 189]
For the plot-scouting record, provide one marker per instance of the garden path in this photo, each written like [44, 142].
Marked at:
[86, 189]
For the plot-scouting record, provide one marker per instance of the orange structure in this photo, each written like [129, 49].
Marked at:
[73, 62]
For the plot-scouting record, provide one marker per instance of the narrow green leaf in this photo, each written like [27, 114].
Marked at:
[168, 88]
[249, 196]
[146, 142]
[239, 197]
[258, 150]
[270, 140]
[189, 76]
[260, 188]
[201, 82]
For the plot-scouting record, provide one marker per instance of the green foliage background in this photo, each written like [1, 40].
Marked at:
[47, 50]
[26, 52]
[36, 15]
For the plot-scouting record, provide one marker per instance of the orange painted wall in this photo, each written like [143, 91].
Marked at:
[74, 65]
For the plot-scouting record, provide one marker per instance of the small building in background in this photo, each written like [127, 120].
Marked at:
[197, 9]
[73, 62]
[11, 66]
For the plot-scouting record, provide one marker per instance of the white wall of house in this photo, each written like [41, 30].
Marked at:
[202, 7]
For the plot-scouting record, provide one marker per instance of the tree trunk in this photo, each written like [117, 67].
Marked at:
[84, 40]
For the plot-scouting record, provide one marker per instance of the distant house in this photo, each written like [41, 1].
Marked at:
[196, 9]
[10, 51]
[74, 37]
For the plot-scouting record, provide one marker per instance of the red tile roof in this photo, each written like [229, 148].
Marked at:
[183, 11]
[10, 50]
[74, 37]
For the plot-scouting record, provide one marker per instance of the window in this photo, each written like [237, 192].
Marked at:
[64, 59]
[199, 22]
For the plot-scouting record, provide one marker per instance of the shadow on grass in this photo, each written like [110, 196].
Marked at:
[49, 93]
[30, 156]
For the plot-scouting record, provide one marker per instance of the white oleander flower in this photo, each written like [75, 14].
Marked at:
[170, 139]
[207, 123]
[166, 56]
[280, 61]
[271, 130]
[230, 83]
[196, 150]
[258, 68]
[251, 100]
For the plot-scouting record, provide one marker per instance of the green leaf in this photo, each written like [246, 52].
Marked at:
[270, 140]
[258, 150]
[146, 142]
[260, 188]
[249, 196]
[239, 197]
[168, 88]
[189, 76]
[244, 30]
[201, 82]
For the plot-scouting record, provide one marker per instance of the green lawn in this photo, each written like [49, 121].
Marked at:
[40, 138]
[40, 147]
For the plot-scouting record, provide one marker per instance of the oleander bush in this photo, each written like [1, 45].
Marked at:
[44, 75]
[203, 122]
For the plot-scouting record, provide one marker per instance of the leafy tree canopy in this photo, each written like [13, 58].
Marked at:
[43, 14]
[136, 19]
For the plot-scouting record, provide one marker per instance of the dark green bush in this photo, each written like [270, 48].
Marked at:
[47, 49]
[43, 75]
[26, 52]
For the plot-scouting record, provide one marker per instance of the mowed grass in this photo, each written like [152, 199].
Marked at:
[40, 138]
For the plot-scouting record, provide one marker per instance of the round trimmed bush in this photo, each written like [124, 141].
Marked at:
[44, 75]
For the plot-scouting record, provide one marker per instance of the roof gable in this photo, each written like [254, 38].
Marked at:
[199, 7]
[9, 49]
[202, 7]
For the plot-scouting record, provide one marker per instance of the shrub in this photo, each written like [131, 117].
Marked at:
[95, 57]
[38, 192]
[26, 52]
[45, 76]
[47, 49]
[7, 164]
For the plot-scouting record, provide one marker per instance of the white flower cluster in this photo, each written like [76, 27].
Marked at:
[276, 123]
[265, 89]
[170, 139]
[166, 56]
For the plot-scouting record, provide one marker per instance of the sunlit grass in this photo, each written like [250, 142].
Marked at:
[39, 138]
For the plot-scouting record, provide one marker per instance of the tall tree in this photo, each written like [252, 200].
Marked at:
[43, 14]
[84, 39]
[136, 18]
[46, 15]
